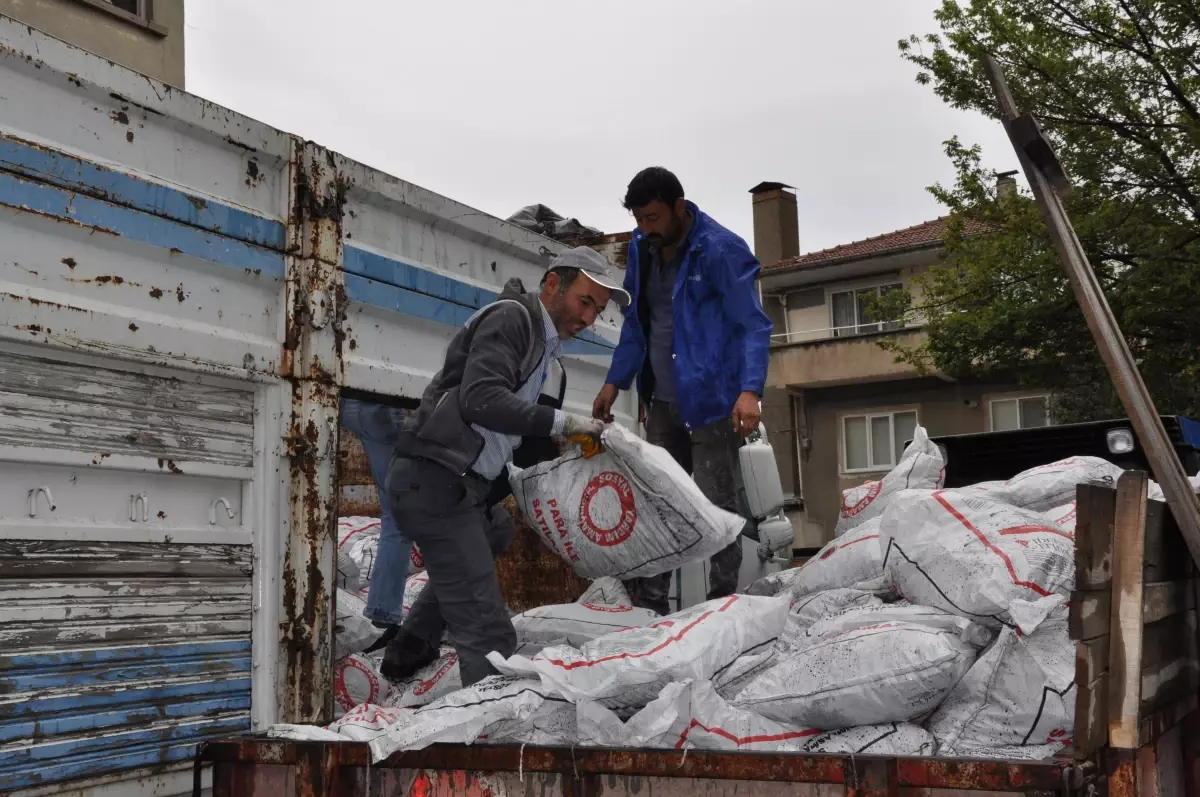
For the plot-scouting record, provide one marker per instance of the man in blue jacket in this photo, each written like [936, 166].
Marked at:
[696, 339]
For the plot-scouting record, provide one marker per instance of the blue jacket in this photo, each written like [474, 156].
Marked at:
[722, 336]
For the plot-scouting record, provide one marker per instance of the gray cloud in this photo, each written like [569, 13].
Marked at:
[503, 104]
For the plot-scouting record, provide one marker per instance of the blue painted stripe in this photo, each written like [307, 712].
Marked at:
[115, 674]
[138, 226]
[21, 756]
[96, 764]
[16, 661]
[399, 274]
[405, 275]
[102, 699]
[62, 724]
[439, 311]
[72, 173]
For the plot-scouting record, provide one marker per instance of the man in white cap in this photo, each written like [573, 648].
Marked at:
[472, 417]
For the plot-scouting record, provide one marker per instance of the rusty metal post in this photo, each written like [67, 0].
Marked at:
[312, 361]
[1049, 181]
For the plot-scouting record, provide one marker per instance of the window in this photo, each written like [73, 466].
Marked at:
[1028, 412]
[136, 12]
[851, 315]
[875, 442]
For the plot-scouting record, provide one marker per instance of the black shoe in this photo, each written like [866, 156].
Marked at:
[405, 655]
[389, 633]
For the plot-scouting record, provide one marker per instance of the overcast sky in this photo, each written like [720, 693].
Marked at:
[500, 104]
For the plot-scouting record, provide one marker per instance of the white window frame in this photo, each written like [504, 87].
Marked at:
[1018, 397]
[853, 289]
[890, 414]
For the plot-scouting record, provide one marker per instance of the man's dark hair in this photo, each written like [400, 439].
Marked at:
[651, 184]
[566, 276]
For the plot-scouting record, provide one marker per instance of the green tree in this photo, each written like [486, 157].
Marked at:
[1116, 85]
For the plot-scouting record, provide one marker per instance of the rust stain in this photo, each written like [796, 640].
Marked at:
[90, 227]
[179, 294]
[236, 143]
[120, 117]
[133, 327]
[156, 293]
[170, 465]
[32, 329]
[162, 515]
[105, 279]
[69, 262]
[129, 136]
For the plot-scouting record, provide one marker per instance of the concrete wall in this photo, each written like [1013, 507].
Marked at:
[942, 408]
[839, 361]
[155, 50]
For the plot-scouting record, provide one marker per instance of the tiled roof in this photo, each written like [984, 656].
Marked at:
[927, 234]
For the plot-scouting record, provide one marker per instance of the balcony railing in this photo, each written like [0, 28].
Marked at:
[833, 333]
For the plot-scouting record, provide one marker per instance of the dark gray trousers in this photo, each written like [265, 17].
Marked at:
[447, 517]
[710, 455]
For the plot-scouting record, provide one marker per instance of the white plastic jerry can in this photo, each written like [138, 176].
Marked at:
[760, 474]
[764, 497]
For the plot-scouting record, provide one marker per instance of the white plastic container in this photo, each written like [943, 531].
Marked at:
[760, 472]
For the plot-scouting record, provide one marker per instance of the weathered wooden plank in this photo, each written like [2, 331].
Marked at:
[92, 632]
[1091, 696]
[1089, 615]
[1170, 670]
[1094, 536]
[1166, 553]
[67, 381]
[1090, 610]
[32, 559]
[1125, 648]
[69, 593]
[1156, 723]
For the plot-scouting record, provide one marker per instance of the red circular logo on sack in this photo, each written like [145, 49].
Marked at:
[601, 490]
[597, 608]
[869, 492]
[342, 693]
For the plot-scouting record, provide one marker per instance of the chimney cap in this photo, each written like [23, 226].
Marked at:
[1006, 175]
[762, 188]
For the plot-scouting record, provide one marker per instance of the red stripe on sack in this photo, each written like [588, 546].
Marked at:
[860, 539]
[739, 741]
[1034, 530]
[577, 664]
[1007, 562]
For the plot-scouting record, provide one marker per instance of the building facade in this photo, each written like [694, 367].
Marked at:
[145, 35]
[839, 407]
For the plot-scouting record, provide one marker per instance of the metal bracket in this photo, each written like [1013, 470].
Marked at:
[33, 500]
[144, 501]
[212, 510]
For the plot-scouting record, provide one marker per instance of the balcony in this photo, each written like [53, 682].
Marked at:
[840, 356]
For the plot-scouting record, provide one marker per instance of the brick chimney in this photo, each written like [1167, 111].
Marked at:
[776, 224]
[1006, 184]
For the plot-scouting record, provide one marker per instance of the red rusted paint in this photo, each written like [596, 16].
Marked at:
[948, 773]
[1122, 775]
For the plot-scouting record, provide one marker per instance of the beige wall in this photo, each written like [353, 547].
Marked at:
[839, 361]
[157, 53]
[942, 408]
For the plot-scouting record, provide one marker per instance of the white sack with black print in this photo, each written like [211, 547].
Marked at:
[630, 667]
[922, 467]
[1020, 693]
[987, 561]
[496, 704]
[630, 511]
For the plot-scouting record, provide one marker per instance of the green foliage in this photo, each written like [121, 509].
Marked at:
[1116, 85]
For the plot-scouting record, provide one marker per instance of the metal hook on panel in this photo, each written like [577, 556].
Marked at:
[134, 501]
[212, 510]
[33, 500]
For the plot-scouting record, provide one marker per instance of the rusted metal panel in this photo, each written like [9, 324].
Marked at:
[312, 363]
[345, 770]
[358, 496]
[531, 574]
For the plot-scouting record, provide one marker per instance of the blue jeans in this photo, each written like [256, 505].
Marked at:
[378, 427]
